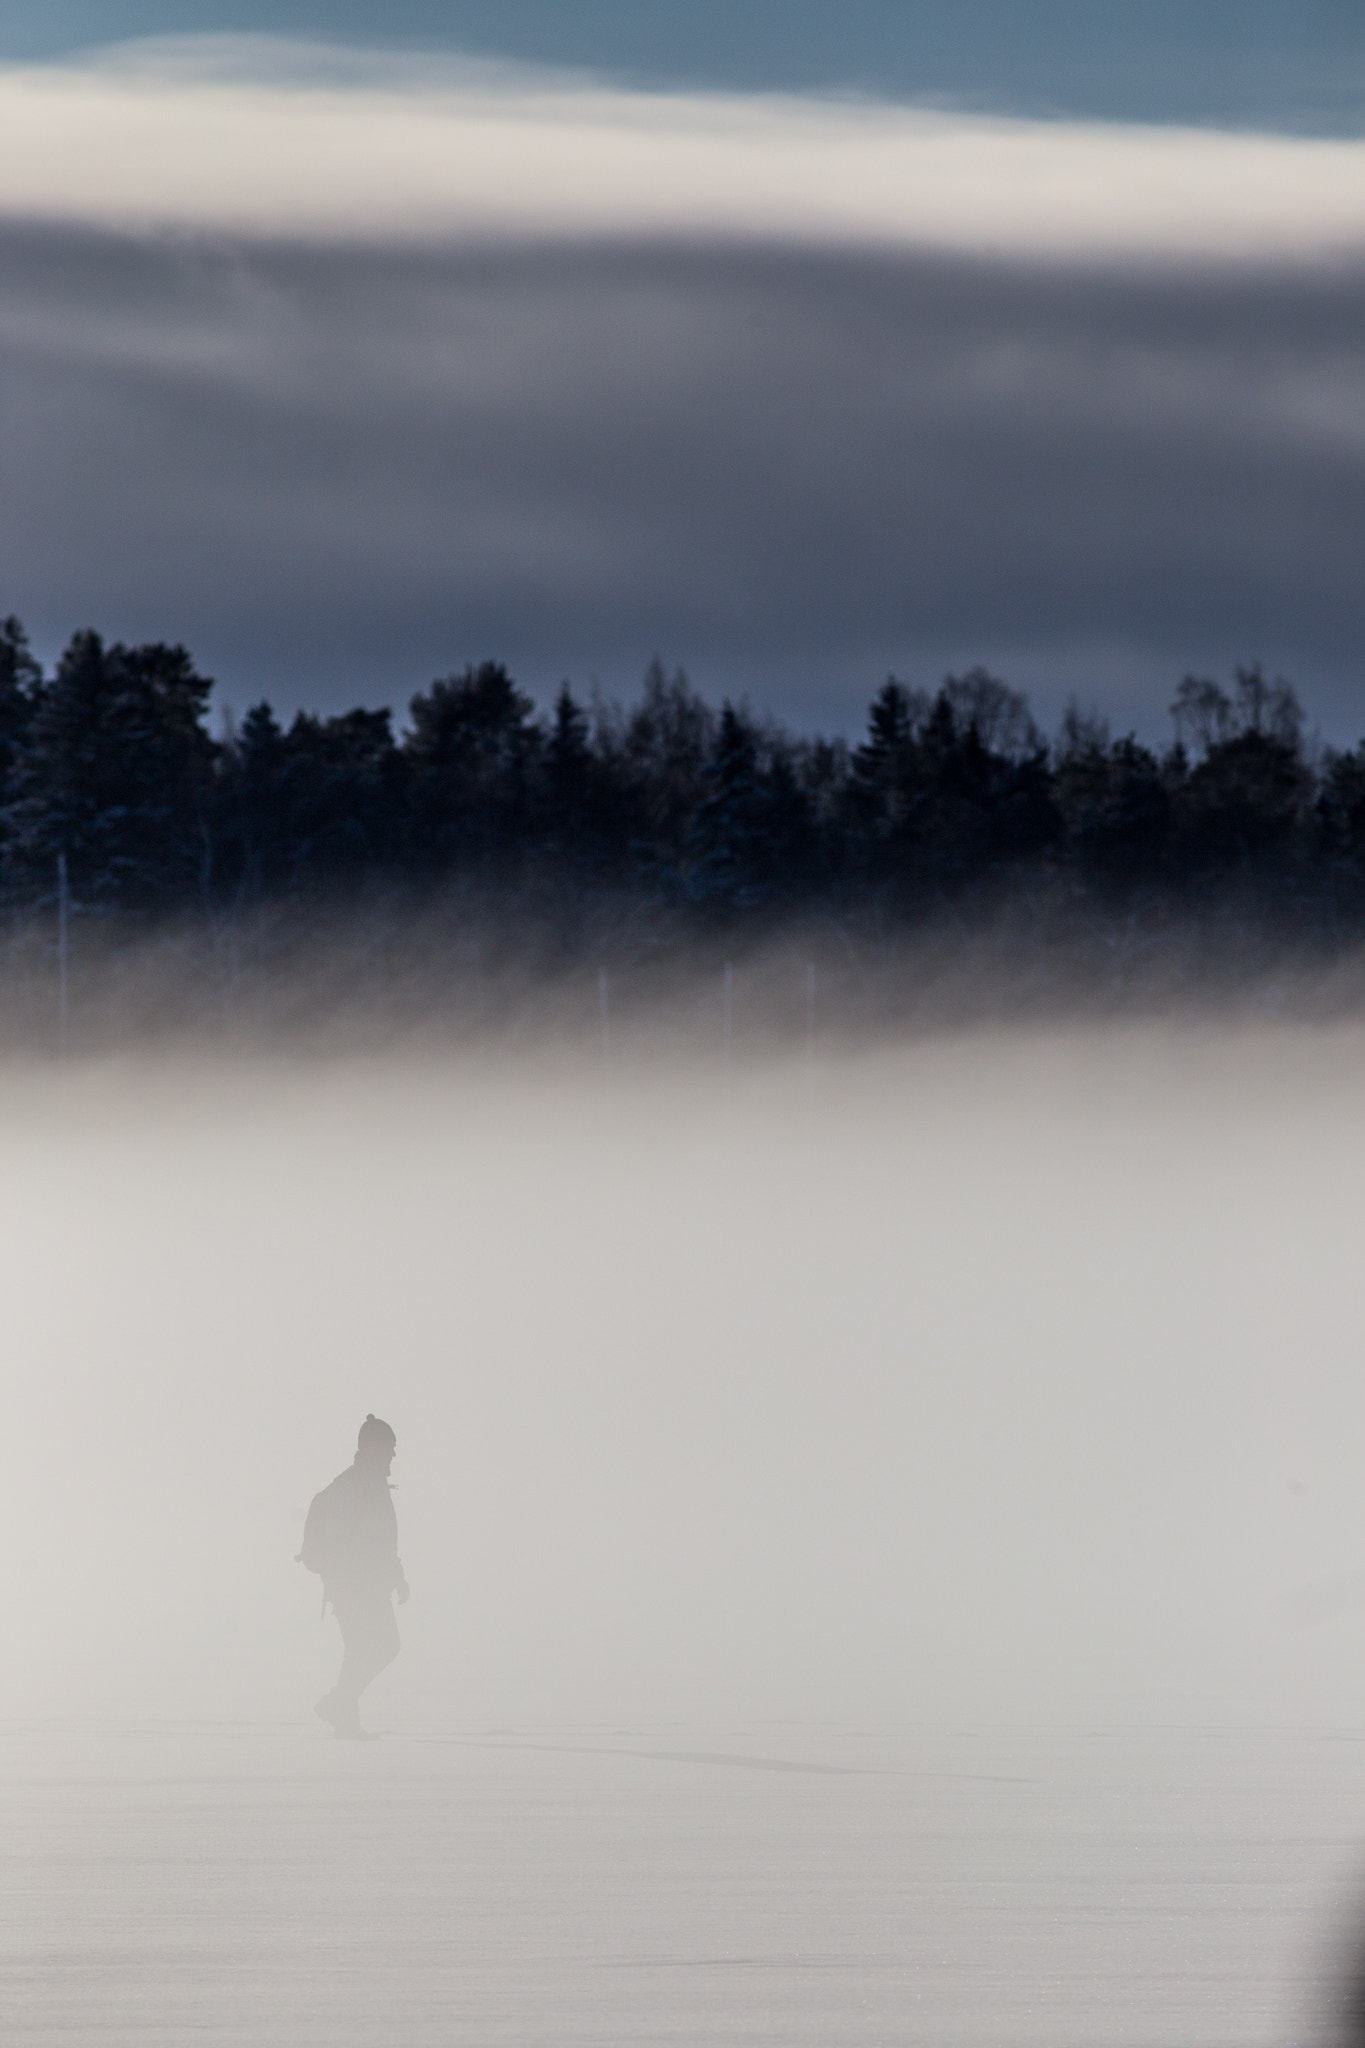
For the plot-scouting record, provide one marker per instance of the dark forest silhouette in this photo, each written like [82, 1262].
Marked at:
[700, 819]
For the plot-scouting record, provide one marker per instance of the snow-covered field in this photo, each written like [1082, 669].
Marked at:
[760, 1434]
[783, 1885]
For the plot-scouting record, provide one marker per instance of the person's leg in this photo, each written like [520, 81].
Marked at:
[369, 1634]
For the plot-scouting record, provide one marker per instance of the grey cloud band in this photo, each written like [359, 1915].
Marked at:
[334, 471]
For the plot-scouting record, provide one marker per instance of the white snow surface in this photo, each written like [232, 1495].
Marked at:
[781, 1885]
[886, 1541]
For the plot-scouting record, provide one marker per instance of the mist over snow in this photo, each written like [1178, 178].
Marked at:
[1005, 1378]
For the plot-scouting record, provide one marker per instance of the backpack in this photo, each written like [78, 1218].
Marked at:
[320, 1546]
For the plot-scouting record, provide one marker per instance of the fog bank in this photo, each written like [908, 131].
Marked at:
[1006, 1376]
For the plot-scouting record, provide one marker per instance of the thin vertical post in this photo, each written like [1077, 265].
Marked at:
[729, 1011]
[63, 910]
[810, 1010]
[604, 1010]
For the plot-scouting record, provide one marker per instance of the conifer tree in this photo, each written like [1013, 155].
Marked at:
[113, 770]
[250, 803]
[581, 801]
[338, 796]
[886, 777]
[20, 681]
[725, 853]
[471, 757]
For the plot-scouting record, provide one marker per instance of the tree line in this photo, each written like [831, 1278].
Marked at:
[949, 797]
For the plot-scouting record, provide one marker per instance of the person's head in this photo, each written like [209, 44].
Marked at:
[376, 1446]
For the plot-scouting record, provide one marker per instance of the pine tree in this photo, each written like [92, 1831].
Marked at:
[113, 770]
[249, 805]
[724, 863]
[578, 806]
[884, 766]
[20, 681]
[471, 758]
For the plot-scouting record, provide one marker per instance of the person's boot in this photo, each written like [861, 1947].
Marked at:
[343, 1714]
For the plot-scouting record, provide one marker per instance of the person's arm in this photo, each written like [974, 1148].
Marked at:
[400, 1584]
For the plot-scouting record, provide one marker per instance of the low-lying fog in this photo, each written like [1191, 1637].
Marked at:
[1008, 1376]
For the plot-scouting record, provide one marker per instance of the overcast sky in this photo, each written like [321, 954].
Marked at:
[348, 366]
[1279, 63]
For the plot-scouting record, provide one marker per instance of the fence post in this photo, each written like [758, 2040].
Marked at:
[729, 1011]
[63, 911]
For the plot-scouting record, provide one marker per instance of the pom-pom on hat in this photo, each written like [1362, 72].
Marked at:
[374, 1433]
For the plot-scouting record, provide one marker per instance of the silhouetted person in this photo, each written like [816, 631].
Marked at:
[351, 1539]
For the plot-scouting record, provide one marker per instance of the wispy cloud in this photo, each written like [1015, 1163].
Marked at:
[250, 135]
[346, 373]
